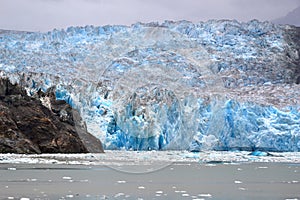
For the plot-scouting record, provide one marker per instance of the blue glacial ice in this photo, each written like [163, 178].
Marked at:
[215, 85]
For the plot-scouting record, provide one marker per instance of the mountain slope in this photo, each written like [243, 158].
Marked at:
[292, 18]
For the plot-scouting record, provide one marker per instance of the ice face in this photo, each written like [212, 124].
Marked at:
[219, 85]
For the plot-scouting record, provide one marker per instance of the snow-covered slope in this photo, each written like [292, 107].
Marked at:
[177, 85]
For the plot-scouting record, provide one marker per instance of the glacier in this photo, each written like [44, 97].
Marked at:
[215, 85]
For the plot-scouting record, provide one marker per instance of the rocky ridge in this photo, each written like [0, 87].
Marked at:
[29, 125]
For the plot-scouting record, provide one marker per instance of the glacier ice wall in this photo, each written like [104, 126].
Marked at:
[218, 85]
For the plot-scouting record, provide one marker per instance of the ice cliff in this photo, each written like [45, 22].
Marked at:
[220, 85]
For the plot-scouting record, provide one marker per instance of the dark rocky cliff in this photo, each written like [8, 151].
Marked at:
[28, 126]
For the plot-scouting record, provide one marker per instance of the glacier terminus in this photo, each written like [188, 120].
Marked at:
[215, 85]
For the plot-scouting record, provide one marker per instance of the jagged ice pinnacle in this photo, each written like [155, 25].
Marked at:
[215, 85]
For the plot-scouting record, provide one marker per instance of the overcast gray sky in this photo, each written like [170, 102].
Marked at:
[45, 15]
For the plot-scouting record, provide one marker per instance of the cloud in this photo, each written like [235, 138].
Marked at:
[44, 15]
[263, 9]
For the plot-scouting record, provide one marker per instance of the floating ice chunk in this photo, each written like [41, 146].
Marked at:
[180, 191]
[32, 180]
[119, 195]
[205, 195]
[194, 155]
[210, 165]
[121, 182]
[263, 167]
[259, 153]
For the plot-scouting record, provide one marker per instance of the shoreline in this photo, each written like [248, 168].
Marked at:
[115, 158]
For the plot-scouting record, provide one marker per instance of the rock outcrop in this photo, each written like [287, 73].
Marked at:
[31, 125]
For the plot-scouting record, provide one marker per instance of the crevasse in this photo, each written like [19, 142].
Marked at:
[221, 85]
